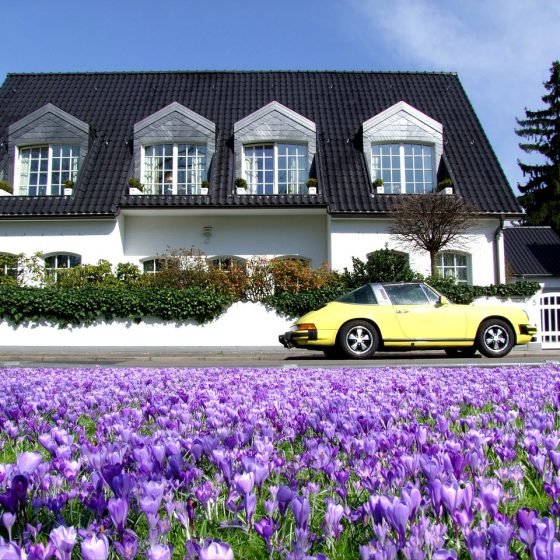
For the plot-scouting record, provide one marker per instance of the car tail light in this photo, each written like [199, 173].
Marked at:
[306, 327]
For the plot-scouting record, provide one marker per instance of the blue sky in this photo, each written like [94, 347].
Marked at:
[501, 49]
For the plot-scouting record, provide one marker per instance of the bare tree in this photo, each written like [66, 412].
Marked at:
[432, 222]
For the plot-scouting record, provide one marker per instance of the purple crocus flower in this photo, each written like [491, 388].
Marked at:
[10, 551]
[28, 462]
[216, 551]
[265, 528]
[333, 515]
[8, 519]
[64, 540]
[118, 510]
[301, 508]
[284, 497]
[128, 546]
[245, 482]
[95, 548]
[159, 552]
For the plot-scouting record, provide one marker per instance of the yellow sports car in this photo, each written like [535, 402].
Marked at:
[408, 316]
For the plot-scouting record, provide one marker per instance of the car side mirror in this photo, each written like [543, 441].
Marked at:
[442, 300]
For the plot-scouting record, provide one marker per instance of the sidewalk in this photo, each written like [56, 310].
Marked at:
[242, 356]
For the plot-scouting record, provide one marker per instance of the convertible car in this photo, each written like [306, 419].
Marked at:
[408, 316]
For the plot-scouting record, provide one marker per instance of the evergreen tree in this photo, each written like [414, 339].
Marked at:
[541, 194]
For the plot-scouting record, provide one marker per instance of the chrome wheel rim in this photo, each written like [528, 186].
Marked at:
[359, 340]
[496, 338]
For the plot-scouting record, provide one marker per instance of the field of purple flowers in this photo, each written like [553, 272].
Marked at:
[280, 463]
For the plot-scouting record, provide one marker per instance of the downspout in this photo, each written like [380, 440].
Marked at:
[500, 275]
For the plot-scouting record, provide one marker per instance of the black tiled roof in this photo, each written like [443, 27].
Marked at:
[338, 102]
[532, 251]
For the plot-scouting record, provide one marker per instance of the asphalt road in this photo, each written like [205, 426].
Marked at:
[246, 357]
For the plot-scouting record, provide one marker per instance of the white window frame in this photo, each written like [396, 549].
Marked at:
[399, 187]
[221, 261]
[52, 272]
[5, 269]
[193, 189]
[441, 267]
[253, 186]
[23, 190]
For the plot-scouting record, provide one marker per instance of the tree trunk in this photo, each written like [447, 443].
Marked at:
[433, 263]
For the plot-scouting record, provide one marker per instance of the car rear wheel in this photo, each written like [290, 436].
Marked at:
[495, 338]
[358, 340]
[467, 352]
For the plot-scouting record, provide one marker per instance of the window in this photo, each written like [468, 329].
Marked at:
[153, 266]
[404, 168]
[410, 294]
[227, 262]
[44, 169]
[276, 168]
[454, 265]
[174, 169]
[363, 296]
[8, 265]
[62, 261]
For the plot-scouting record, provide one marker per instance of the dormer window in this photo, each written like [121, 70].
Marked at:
[174, 168]
[404, 168]
[403, 148]
[276, 168]
[43, 170]
[173, 150]
[274, 149]
[46, 149]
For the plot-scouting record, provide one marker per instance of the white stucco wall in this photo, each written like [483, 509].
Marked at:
[244, 324]
[359, 237]
[245, 236]
[93, 239]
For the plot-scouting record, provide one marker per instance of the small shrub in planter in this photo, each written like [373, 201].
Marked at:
[240, 185]
[5, 187]
[135, 183]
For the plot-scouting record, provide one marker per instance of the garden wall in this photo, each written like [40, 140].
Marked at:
[244, 324]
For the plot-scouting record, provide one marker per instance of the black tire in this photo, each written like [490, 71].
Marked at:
[466, 352]
[358, 340]
[495, 338]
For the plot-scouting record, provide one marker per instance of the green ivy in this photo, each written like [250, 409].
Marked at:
[74, 306]
[459, 293]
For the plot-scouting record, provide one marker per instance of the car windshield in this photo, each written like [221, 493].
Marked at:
[362, 295]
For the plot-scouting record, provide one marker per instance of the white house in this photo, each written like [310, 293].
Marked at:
[71, 143]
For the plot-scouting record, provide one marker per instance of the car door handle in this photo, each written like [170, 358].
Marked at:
[402, 311]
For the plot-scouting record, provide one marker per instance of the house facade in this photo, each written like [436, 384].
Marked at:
[128, 166]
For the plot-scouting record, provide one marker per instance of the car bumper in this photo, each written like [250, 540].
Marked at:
[526, 333]
[297, 339]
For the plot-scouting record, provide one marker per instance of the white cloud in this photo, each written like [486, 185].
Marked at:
[502, 50]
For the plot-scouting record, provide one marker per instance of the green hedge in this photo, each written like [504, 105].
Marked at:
[73, 306]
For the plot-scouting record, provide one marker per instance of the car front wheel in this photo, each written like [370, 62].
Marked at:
[358, 340]
[495, 338]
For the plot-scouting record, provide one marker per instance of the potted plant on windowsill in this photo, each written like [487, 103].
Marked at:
[311, 185]
[378, 186]
[135, 186]
[240, 185]
[6, 189]
[204, 187]
[68, 187]
[445, 186]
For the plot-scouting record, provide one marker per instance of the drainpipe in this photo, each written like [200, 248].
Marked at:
[500, 275]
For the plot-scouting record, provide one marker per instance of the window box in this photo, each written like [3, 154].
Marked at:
[5, 193]
[134, 191]
[204, 191]
[241, 190]
[68, 191]
[446, 190]
[380, 189]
